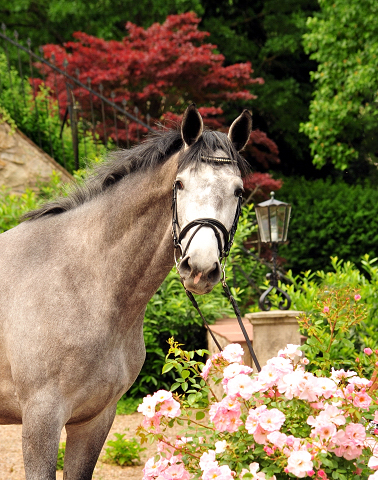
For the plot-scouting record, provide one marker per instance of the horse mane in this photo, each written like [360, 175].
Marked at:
[155, 150]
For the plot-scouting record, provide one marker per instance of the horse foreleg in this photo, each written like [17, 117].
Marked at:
[84, 444]
[42, 423]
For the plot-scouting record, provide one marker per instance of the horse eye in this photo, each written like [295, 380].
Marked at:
[239, 192]
[179, 184]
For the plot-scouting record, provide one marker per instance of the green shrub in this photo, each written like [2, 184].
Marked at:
[332, 329]
[329, 219]
[38, 118]
[61, 452]
[123, 452]
[309, 290]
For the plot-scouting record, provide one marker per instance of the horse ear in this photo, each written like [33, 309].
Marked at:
[192, 125]
[240, 130]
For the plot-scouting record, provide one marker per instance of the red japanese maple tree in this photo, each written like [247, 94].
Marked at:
[157, 71]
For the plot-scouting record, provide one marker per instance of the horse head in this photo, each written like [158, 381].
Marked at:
[207, 199]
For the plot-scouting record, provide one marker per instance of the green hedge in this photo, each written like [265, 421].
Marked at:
[329, 219]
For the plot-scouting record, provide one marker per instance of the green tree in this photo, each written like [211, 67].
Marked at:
[54, 21]
[269, 34]
[343, 39]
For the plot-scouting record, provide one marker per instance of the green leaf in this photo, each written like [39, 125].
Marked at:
[167, 367]
[200, 415]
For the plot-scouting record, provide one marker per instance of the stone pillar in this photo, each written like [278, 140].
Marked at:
[272, 331]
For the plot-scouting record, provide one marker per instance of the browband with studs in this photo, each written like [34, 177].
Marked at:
[218, 159]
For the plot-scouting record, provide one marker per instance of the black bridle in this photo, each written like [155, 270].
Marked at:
[224, 250]
[215, 225]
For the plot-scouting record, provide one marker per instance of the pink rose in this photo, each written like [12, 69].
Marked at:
[207, 460]
[325, 387]
[252, 421]
[373, 463]
[242, 385]
[147, 407]
[290, 351]
[154, 468]
[271, 420]
[338, 375]
[324, 432]
[260, 436]
[225, 415]
[152, 424]
[218, 473]
[233, 353]
[170, 408]
[362, 400]
[356, 432]
[206, 369]
[162, 395]
[299, 463]
[176, 472]
[278, 439]
[235, 369]
[376, 417]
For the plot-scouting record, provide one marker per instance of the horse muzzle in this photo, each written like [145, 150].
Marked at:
[197, 276]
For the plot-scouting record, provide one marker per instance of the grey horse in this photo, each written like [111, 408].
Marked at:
[75, 279]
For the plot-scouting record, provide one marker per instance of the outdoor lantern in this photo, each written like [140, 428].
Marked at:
[273, 219]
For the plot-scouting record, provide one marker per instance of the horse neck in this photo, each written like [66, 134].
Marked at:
[129, 234]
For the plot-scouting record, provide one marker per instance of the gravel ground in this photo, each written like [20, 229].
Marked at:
[12, 466]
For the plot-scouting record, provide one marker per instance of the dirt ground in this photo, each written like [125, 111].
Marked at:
[12, 466]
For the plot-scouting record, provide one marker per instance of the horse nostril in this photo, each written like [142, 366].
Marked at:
[184, 267]
[214, 274]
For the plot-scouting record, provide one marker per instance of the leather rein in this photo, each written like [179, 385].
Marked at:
[224, 249]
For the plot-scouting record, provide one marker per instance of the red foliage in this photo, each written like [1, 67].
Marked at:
[159, 70]
[261, 184]
[263, 149]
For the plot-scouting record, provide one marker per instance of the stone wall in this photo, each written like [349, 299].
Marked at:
[22, 163]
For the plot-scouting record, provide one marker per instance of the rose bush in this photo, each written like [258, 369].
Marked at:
[284, 422]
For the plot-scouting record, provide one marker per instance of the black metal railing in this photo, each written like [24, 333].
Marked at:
[56, 100]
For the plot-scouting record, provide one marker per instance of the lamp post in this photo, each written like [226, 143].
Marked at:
[273, 219]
